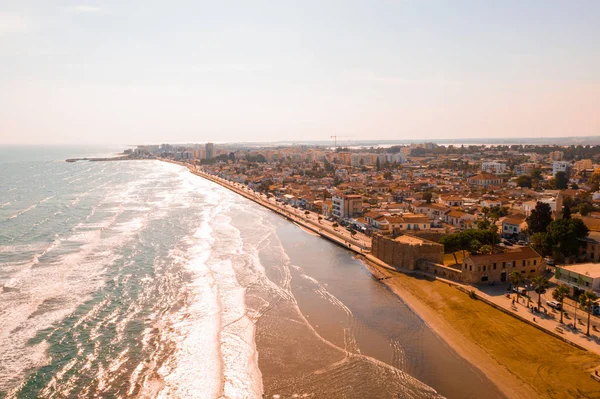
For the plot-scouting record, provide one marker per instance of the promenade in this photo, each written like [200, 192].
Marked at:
[359, 243]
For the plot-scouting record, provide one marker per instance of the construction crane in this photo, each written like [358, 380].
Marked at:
[335, 137]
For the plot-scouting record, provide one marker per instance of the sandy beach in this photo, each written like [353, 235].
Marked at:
[507, 382]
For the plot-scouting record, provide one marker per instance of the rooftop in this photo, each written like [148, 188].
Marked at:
[587, 269]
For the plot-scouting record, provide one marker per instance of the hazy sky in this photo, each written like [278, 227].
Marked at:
[148, 71]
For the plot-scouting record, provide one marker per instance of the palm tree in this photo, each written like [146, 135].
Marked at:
[540, 284]
[587, 299]
[559, 294]
[516, 278]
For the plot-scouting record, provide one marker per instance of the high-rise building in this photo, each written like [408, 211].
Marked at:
[210, 150]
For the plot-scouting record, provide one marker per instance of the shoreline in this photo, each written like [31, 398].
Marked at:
[471, 353]
[506, 382]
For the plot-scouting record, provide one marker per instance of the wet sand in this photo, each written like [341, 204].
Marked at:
[507, 382]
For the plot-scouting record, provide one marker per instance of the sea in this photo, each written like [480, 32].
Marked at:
[137, 279]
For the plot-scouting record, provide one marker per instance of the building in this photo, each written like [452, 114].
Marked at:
[434, 212]
[210, 150]
[556, 156]
[525, 168]
[583, 165]
[392, 158]
[591, 251]
[513, 225]
[560, 166]
[346, 205]
[496, 168]
[405, 251]
[458, 218]
[484, 180]
[580, 277]
[497, 267]
[451, 200]
[394, 224]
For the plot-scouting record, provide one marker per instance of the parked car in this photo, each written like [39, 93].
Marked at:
[549, 261]
[520, 290]
[521, 242]
[554, 304]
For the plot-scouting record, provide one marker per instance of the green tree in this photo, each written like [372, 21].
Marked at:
[540, 242]
[475, 246]
[559, 295]
[540, 284]
[387, 175]
[486, 249]
[524, 181]
[565, 235]
[516, 279]
[587, 300]
[561, 180]
[427, 196]
[378, 164]
[594, 180]
[536, 175]
[540, 218]
[451, 245]
[566, 211]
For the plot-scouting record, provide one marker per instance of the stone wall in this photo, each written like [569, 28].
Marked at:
[406, 252]
[439, 270]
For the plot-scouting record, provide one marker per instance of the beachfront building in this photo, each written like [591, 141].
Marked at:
[580, 277]
[327, 208]
[497, 267]
[484, 179]
[346, 205]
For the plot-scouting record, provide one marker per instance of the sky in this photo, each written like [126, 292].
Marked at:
[143, 72]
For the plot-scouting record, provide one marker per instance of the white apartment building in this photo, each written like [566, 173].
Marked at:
[392, 158]
[494, 167]
[560, 166]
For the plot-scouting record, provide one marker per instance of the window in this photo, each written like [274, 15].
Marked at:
[494, 266]
[534, 262]
[484, 268]
[532, 270]
[503, 265]
[470, 268]
[523, 263]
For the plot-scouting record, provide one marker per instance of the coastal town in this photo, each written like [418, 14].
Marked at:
[515, 226]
